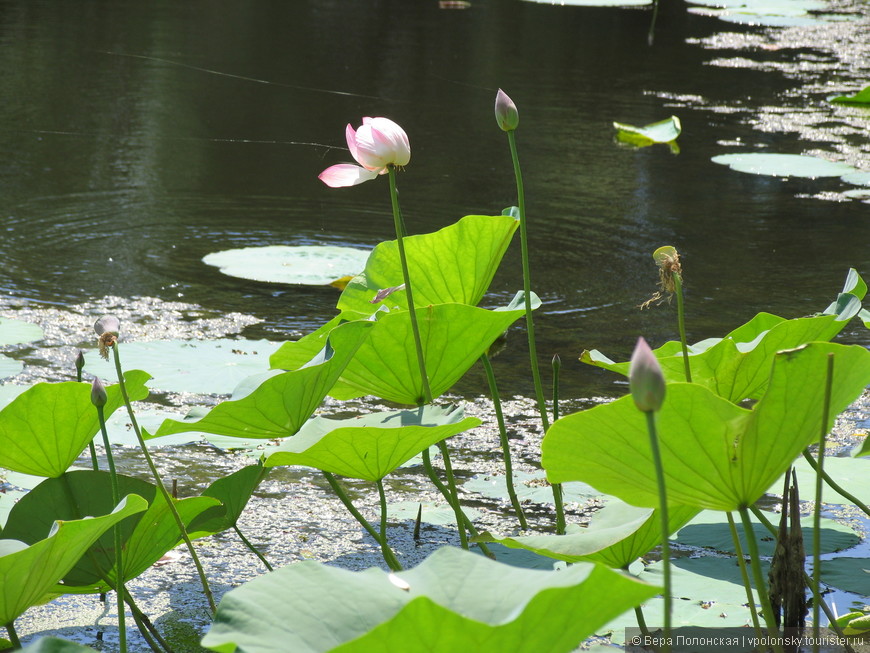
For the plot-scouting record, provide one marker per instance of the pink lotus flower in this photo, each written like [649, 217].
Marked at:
[377, 144]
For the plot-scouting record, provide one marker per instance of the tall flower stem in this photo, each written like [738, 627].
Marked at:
[681, 324]
[665, 524]
[817, 511]
[389, 556]
[530, 322]
[741, 562]
[505, 445]
[157, 480]
[80, 363]
[409, 292]
[116, 529]
[758, 577]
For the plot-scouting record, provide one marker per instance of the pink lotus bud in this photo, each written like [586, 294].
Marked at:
[98, 393]
[645, 378]
[506, 114]
[376, 145]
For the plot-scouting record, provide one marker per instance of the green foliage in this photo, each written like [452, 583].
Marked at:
[371, 446]
[29, 570]
[44, 429]
[862, 97]
[716, 454]
[445, 604]
[665, 131]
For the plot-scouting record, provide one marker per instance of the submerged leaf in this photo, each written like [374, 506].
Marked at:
[453, 601]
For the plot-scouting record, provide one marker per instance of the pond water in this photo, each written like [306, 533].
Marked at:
[139, 137]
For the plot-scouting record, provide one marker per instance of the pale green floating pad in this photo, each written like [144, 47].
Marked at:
[710, 530]
[196, 366]
[313, 265]
[848, 574]
[439, 514]
[56, 645]
[9, 367]
[529, 486]
[14, 332]
[852, 474]
[858, 178]
[595, 3]
[784, 165]
[9, 391]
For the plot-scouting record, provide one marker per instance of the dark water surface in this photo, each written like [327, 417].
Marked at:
[139, 136]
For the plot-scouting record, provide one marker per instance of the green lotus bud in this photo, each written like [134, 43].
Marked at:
[645, 378]
[98, 393]
[80, 362]
[506, 114]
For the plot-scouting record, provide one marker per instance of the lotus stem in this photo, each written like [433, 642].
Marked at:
[760, 587]
[385, 546]
[80, 363]
[505, 445]
[389, 556]
[817, 598]
[650, 36]
[530, 322]
[557, 367]
[146, 628]
[665, 525]
[817, 510]
[13, 636]
[681, 324]
[406, 277]
[161, 488]
[430, 470]
[116, 530]
[454, 494]
[641, 621]
[741, 561]
[253, 549]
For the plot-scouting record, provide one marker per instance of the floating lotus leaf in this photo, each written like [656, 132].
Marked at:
[9, 391]
[737, 366]
[710, 530]
[279, 406]
[850, 473]
[47, 427]
[196, 366]
[617, 535]
[453, 265]
[848, 574]
[858, 178]
[371, 446]
[146, 538]
[862, 97]
[529, 486]
[27, 573]
[784, 165]
[715, 454]
[315, 265]
[9, 367]
[13, 332]
[453, 601]
[56, 645]
[595, 3]
[664, 131]
[437, 514]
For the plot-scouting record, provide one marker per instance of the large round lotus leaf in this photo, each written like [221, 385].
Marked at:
[784, 165]
[9, 367]
[529, 486]
[13, 332]
[437, 514]
[859, 178]
[315, 265]
[710, 530]
[848, 574]
[197, 366]
[453, 601]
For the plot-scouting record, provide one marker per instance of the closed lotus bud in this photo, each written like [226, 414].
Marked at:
[645, 378]
[80, 362]
[98, 393]
[506, 114]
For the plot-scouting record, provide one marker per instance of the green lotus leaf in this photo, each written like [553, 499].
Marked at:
[28, 572]
[617, 535]
[736, 367]
[234, 492]
[146, 537]
[454, 265]
[9, 367]
[196, 366]
[595, 3]
[316, 265]
[715, 454]
[437, 514]
[664, 131]
[848, 574]
[453, 601]
[44, 429]
[849, 473]
[13, 332]
[282, 403]
[56, 645]
[784, 165]
[454, 336]
[529, 486]
[861, 97]
[371, 446]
